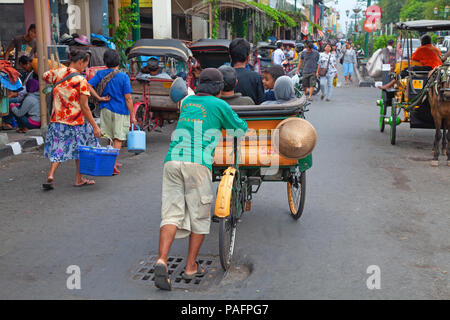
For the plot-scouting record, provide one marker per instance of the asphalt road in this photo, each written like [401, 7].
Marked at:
[368, 203]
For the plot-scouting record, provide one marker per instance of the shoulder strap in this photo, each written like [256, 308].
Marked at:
[102, 85]
[70, 76]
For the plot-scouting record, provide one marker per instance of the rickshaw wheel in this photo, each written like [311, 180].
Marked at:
[296, 189]
[393, 132]
[227, 232]
[141, 117]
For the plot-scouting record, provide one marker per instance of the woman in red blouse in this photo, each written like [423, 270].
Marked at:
[71, 122]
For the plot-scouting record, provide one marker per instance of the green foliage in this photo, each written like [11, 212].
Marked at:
[129, 20]
[391, 10]
[412, 10]
[429, 9]
[278, 17]
[381, 41]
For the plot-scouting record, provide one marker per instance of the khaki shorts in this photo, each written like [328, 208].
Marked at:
[114, 125]
[187, 196]
[309, 80]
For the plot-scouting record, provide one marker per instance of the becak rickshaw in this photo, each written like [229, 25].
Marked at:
[211, 53]
[409, 95]
[263, 56]
[151, 102]
[276, 148]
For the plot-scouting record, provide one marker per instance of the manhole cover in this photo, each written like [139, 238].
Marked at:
[214, 273]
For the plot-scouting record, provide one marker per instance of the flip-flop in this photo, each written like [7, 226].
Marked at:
[162, 277]
[49, 185]
[85, 183]
[199, 273]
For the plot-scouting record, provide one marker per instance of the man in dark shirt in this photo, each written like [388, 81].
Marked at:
[249, 82]
[23, 45]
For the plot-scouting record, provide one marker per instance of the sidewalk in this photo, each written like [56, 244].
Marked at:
[14, 143]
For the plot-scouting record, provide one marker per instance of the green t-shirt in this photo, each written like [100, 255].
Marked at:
[199, 129]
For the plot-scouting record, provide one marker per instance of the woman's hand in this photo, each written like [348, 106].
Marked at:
[97, 132]
[104, 99]
[317, 74]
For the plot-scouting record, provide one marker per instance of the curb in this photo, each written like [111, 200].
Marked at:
[15, 148]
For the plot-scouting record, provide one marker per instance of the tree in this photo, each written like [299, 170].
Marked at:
[391, 10]
[412, 10]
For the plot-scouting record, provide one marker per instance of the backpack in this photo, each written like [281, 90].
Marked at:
[99, 89]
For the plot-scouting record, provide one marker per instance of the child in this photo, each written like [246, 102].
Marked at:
[271, 75]
[283, 90]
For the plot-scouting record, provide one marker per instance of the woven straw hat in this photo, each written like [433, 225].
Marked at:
[295, 138]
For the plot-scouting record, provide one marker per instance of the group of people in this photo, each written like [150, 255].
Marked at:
[25, 101]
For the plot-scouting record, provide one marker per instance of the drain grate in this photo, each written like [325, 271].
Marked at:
[146, 272]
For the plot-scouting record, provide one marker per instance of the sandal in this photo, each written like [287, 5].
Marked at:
[85, 182]
[50, 185]
[200, 273]
[162, 277]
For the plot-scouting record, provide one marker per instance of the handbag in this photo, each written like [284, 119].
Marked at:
[99, 89]
[323, 71]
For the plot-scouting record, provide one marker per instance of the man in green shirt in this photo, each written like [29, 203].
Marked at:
[187, 190]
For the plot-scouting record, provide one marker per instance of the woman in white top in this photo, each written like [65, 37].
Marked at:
[327, 60]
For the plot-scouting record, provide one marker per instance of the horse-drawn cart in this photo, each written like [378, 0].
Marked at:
[410, 94]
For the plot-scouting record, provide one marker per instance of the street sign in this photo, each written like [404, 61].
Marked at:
[373, 17]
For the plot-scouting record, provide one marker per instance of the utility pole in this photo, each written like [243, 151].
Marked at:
[366, 42]
[295, 29]
[137, 31]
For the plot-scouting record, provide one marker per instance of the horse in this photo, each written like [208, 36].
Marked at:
[440, 110]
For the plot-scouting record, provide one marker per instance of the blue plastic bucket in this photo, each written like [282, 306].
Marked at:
[97, 161]
[136, 140]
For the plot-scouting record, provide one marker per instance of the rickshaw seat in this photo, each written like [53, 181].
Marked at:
[290, 108]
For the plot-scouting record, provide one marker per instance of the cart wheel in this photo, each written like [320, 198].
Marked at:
[316, 87]
[382, 115]
[296, 194]
[393, 123]
[141, 117]
[227, 232]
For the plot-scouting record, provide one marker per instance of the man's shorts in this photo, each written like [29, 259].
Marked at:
[114, 125]
[187, 196]
[309, 80]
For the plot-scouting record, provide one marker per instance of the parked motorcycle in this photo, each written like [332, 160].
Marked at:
[298, 83]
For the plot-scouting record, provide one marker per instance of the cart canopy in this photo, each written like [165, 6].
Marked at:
[211, 53]
[160, 47]
[424, 25]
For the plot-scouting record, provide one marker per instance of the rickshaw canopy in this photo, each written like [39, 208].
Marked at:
[211, 53]
[160, 47]
[424, 25]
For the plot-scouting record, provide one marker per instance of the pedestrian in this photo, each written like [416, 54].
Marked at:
[230, 81]
[309, 61]
[115, 114]
[249, 82]
[71, 122]
[28, 113]
[327, 71]
[389, 54]
[348, 62]
[24, 46]
[187, 189]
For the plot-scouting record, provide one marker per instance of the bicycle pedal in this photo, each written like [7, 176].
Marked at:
[248, 205]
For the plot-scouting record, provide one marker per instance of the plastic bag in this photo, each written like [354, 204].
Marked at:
[335, 81]
[375, 64]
